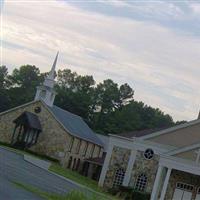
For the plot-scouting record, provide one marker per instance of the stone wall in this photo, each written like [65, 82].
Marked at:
[148, 167]
[119, 159]
[183, 177]
[53, 141]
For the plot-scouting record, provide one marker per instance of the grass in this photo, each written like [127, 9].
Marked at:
[73, 195]
[76, 177]
[91, 185]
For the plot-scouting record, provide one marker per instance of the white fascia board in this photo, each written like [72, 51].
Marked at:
[179, 164]
[184, 149]
[165, 131]
[136, 144]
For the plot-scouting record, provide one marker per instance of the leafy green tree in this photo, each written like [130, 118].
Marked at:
[4, 84]
[75, 92]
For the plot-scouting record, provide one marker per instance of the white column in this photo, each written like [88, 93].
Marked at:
[155, 191]
[164, 189]
[129, 167]
[105, 165]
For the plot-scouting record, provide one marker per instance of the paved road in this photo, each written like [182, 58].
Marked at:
[14, 168]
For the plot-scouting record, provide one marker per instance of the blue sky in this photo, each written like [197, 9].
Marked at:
[152, 45]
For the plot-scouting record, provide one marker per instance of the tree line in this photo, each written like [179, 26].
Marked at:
[106, 106]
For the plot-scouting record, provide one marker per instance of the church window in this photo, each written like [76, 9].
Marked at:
[141, 183]
[184, 186]
[37, 109]
[148, 154]
[119, 177]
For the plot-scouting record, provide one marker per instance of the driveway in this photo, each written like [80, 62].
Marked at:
[14, 168]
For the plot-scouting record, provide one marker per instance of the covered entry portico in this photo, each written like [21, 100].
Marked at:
[176, 179]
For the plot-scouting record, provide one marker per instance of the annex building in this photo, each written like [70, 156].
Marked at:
[46, 129]
[165, 164]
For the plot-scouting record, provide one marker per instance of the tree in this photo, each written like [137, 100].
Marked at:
[75, 92]
[23, 84]
[4, 84]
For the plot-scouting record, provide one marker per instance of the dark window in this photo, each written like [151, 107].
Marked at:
[141, 183]
[69, 162]
[119, 177]
[148, 154]
[37, 109]
[78, 164]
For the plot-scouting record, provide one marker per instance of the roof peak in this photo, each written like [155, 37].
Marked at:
[53, 68]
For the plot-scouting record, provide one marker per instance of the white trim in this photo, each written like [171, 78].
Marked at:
[184, 149]
[164, 189]
[136, 144]
[129, 167]
[156, 186]
[180, 164]
[165, 131]
[105, 165]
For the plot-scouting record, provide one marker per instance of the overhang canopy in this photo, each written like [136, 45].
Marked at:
[29, 119]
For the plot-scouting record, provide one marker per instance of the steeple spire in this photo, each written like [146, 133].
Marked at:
[46, 91]
[52, 72]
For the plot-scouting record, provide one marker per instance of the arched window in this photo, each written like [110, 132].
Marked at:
[69, 162]
[119, 177]
[141, 182]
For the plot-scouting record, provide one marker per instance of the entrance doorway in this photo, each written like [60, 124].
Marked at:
[183, 192]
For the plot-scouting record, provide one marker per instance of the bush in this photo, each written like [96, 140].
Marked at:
[128, 193]
[140, 196]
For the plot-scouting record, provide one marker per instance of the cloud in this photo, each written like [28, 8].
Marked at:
[161, 64]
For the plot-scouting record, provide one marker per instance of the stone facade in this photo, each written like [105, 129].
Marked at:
[147, 167]
[119, 159]
[54, 140]
[183, 177]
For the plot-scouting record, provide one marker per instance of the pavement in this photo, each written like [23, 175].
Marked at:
[13, 168]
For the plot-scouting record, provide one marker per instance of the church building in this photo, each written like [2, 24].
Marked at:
[46, 129]
[165, 163]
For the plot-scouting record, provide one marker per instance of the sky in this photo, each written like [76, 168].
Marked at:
[154, 46]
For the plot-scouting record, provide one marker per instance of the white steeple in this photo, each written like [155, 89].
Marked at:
[46, 92]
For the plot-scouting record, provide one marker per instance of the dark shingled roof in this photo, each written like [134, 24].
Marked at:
[141, 133]
[75, 125]
[29, 119]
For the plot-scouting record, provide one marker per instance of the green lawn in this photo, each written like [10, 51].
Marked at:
[74, 195]
[90, 185]
[85, 181]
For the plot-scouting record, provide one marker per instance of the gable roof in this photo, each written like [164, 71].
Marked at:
[184, 149]
[141, 133]
[169, 130]
[75, 125]
[30, 119]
